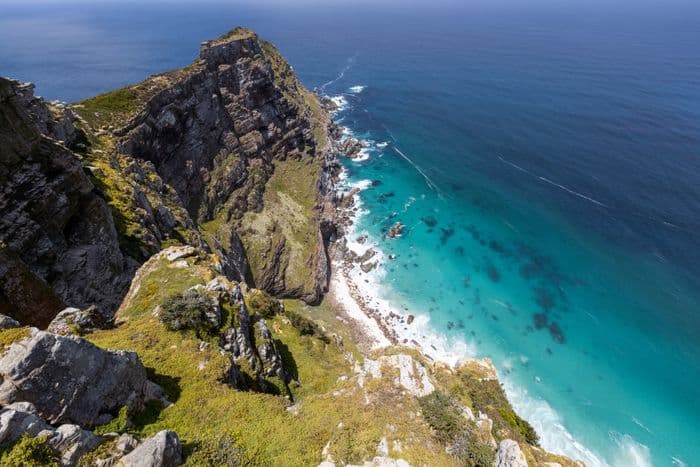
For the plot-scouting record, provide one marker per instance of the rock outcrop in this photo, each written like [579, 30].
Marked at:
[161, 450]
[510, 455]
[240, 147]
[58, 243]
[70, 380]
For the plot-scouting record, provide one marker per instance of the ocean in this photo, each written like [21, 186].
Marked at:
[544, 157]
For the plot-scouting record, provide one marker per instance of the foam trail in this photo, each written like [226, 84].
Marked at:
[546, 180]
[357, 89]
[340, 76]
[430, 183]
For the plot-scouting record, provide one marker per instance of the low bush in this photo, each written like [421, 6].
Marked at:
[29, 452]
[186, 311]
[263, 304]
[454, 430]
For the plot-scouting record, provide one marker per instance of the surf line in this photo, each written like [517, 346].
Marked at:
[560, 186]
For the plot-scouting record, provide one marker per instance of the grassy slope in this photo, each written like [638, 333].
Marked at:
[204, 406]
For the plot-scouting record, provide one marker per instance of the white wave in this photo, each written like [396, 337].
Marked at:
[363, 155]
[630, 452]
[356, 89]
[382, 145]
[547, 423]
[558, 185]
[340, 102]
[678, 462]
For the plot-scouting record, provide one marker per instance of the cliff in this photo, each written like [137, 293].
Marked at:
[173, 238]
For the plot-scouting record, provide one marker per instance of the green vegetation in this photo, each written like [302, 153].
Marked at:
[482, 393]
[12, 335]
[263, 303]
[186, 310]
[29, 452]
[112, 108]
[118, 424]
[445, 416]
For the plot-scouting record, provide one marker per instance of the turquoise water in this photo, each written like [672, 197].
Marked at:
[545, 157]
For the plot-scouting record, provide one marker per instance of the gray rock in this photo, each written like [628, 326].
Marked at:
[126, 443]
[6, 322]
[14, 423]
[510, 455]
[70, 380]
[72, 442]
[59, 232]
[160, 450]
[74, 321]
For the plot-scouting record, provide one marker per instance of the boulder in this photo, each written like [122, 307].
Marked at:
[74, 321]
[6, 322]
[72, 442]
[396, 230]
[14, 422]
[161, 450]
[70, 380]
[510, 455]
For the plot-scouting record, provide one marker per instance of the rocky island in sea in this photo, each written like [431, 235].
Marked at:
[176, 291]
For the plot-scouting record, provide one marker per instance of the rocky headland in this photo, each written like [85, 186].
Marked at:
[166, 253]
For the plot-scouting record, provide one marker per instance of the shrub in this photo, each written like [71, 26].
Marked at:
[305, 326]
[186, 311]
[444, 416]
[221, 450]
[263, 304]
[29, 452]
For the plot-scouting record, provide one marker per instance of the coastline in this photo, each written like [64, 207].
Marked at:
[354, 293]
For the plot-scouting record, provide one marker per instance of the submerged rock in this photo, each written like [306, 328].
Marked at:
[70, 380]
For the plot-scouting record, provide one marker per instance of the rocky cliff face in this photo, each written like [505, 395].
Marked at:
[58, 243]
[229, 152]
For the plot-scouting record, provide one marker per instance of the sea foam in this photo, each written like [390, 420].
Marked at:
[356, 89]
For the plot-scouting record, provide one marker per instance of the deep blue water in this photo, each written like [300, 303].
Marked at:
[550, 179]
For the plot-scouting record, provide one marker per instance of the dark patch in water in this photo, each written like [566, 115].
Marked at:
[496, 246]
[540, 320]
[530, 270]
[494, 317]
[459, 251]
[556, 333]
[467, 282]
[474, 232]
[549, 351]
[430, 221]
[544, 299]
[493, 273]
[383, 197]
[450, 325]
[376, 182]
[446, 234]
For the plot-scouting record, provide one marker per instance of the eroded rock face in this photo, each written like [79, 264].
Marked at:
[70, 380]
[61, 243]
[214, 133]
[161, 450]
